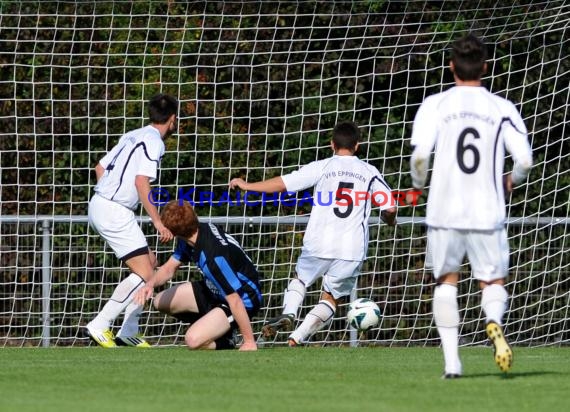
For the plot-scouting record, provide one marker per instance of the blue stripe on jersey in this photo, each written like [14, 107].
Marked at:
[232, 278]
[252, 286]
[369, 189]
[382, 181]
[503, 120]
[182, 253]
[495, 156]
[246, 301]
[178, 256]
[202, 260]
[111, 165]
[207, 273]
[228, 272]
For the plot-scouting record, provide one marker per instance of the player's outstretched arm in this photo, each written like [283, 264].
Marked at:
[273, 185]
[508, 184]
[419, 167]
[242, 319]
[142, 183]
[522, 156]
[388, 216]
[161, 276]
[412, 196]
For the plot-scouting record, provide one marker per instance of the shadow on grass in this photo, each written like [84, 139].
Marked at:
[511, 375]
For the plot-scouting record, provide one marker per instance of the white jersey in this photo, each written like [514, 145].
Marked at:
[470, 128]
[137, 153]
[342, 200]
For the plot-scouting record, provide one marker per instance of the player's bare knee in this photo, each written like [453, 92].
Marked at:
[156, 302]
[193, 341]
[483, 284]
[450, 278]
[329, 298]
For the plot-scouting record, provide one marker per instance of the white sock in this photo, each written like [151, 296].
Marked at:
[293, 297]
[316, 319]
[446, 316]
[494, 302]
[130, 325]
[121, 298]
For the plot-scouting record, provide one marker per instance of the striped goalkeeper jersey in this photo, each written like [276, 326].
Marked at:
[225, 266]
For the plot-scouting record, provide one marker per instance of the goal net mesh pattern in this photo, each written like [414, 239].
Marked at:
[261, 86]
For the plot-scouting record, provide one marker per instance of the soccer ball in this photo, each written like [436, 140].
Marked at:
[363, 314]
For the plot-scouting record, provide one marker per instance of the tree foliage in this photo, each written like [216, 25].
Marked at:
[261, 86]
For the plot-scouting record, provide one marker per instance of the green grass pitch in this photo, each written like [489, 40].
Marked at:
[280, 379]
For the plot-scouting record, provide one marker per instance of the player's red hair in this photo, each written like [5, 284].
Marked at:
[179, 217]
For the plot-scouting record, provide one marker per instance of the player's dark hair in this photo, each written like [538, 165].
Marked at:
[346, 135]
[161, 107]
[469, 55]
[179, 217]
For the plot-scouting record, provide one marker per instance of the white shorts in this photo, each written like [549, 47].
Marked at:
[339, 276]
[487, 251]
[118, 226]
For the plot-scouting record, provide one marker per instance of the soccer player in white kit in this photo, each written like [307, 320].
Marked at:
[470, 129]
[123, 181]
[336, 237]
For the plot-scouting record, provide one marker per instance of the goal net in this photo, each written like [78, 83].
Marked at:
[261, 86]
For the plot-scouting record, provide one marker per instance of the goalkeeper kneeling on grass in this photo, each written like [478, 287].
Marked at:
[224, 300]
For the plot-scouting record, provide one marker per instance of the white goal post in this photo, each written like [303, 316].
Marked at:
[261, 86]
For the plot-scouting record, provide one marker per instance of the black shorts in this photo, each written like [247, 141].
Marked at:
[206, 301]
